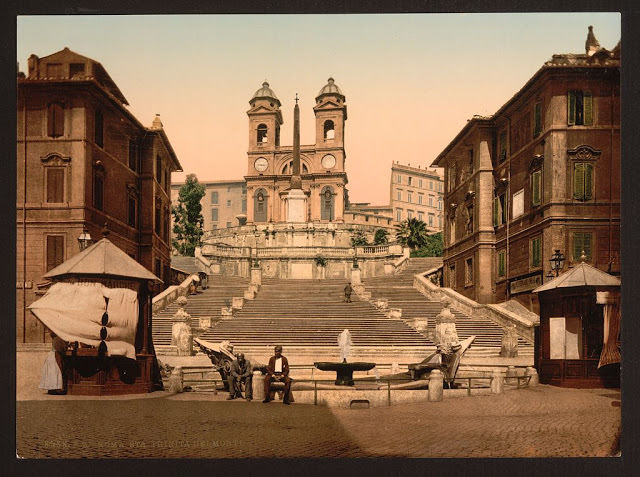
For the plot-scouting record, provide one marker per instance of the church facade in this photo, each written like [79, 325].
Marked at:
[322, 165]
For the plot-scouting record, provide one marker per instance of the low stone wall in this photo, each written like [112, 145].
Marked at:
[522, 325]
[171, 294]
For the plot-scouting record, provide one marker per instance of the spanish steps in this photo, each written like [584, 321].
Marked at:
[308, 315]
[400, 293]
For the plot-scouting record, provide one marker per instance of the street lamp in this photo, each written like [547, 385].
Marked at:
[557, 262]
[85, 239]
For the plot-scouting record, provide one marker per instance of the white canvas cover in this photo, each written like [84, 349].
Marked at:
[74, 312]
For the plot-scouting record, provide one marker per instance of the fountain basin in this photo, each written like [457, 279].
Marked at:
[344, 371]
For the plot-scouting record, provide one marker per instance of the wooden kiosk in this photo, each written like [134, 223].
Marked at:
[577, 342]
[91, 370]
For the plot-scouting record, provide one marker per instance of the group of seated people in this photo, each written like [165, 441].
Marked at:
[241, 373]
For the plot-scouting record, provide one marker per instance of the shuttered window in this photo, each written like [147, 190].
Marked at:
[502, 154]
[537, 119]
[133, 155]
[581, 242]
[580, 108]
[55, 184]
[582, 181]
[55, 120]
[535, 252]
[498, 210]
[99, 128]
[536, 188]
[98, 192]
[55, 251]
[501, 263]
[132, 212]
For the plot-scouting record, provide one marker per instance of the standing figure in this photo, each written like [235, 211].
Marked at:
[344, 342]
[241, 372]
[277, 370]
[53, 372]
[347, 293]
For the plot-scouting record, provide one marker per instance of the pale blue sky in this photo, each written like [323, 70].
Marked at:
[410, 80]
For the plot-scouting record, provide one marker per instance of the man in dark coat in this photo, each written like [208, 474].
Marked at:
[241, 372]
[347, 292]
[277, 370]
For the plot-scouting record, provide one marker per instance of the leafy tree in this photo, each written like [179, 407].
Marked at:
[187, 215]
[358, 239]
[381, 237]
[412, 233]
[432, 248]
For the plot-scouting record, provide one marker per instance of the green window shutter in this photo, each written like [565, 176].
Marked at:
[536, 178]
[586, 245]
[578, 180]
[501, 260]
[535, 252]
[571, 108]
[587, 104]
[496, 205]
[537, 119]
[588, 181]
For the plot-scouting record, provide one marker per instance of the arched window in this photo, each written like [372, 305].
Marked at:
[260, 203]
[288, 168]
[262, 133]
[329, 129]
[327, 204]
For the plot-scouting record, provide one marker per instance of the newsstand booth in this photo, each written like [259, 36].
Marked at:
[100, 303]
[577, 342]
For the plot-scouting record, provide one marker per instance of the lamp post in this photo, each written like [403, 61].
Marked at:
[557, 262]
[85, 239]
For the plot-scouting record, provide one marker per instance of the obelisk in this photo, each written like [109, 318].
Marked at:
[296, 199]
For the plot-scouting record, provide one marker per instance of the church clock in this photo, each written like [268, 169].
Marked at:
[261, 164]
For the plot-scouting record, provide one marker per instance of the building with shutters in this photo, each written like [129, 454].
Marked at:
[224, 203]
[416, 193]
[542, 174]
[83, 161]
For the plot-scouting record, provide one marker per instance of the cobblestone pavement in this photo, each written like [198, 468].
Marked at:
[541, 421]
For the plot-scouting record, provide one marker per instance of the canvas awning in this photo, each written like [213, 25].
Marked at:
[102, 258]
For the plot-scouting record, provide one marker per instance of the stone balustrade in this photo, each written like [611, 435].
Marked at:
[171, 294]
[522, 325]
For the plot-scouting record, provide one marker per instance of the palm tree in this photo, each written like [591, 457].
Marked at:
[412, 233]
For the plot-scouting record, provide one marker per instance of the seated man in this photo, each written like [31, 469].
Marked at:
[277, 370]
[241, 372]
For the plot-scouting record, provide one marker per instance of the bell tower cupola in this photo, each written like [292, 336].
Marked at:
[331, 114]
[265, 119]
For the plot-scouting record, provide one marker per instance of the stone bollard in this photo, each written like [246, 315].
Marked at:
[395, 313]
[534, 380]
[249, 295]
[237, 302]
[435, 385]
[176, 384]
[258, 386]
[226, 313]
[497, 382]
[511, 375]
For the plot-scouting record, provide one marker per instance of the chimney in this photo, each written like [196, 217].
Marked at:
[32, 65]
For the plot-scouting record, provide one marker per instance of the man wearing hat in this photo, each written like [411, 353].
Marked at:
[241, 372]
[277, 370]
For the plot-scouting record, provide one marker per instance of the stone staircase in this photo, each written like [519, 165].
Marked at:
[307, 316]
[207, 302]
[398, 290]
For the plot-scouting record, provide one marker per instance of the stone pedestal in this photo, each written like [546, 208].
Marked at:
[497, 382]
[176, 380]
[258, 386]
[511, 375]
[509, 345]
[534, 380]
[237, 302]
[355, 276]
[181, 335]
[445, 329]
[249, 294]
[435, 386]
[389, 268]
[226, 312]
[296, 206]
[395, 313]
[205, 322]
[256, 276]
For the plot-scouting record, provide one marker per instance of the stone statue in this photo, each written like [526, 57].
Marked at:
[344, 342]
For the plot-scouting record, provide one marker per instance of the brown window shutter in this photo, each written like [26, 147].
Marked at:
[587, 104]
